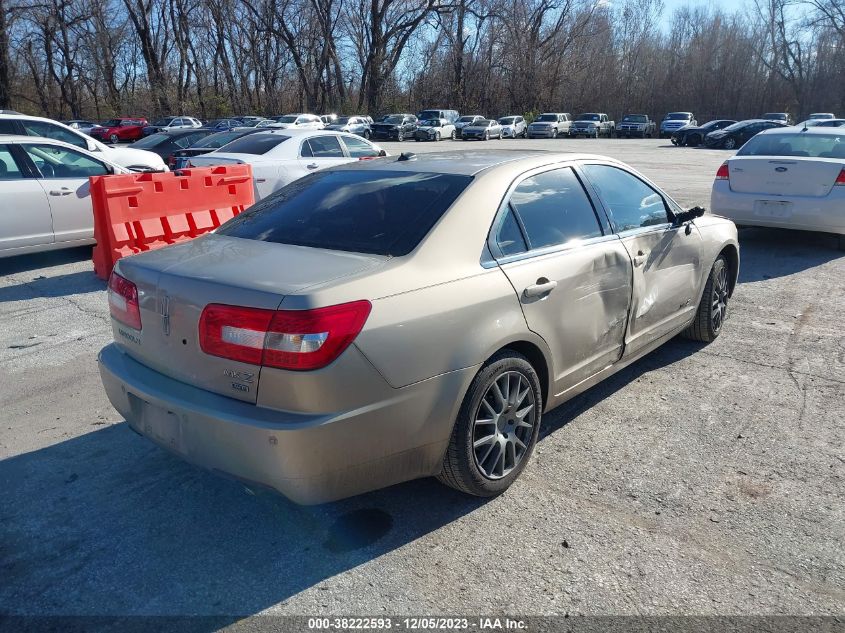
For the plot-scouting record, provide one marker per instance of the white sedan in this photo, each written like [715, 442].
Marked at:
[279, 157]
[299, 121]
[786, 177]
[46, 182]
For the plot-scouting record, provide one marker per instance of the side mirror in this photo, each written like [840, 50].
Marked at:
[382, 153]
[688, 216]
[91, 146]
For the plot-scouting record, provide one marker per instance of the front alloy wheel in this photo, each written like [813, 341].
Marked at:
[114, 139]
[713, 307]
[730, 143]
[496, 429]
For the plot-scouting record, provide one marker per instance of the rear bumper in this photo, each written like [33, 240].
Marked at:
[309, 458]
[825, 214]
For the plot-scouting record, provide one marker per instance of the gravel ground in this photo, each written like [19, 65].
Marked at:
[700, 480]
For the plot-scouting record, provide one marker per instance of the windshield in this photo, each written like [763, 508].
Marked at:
[394, 120]
[431, 123]
[257, 144]
[508, 120]
[466, 119]
[547, 117]
[163, 122]
[291, 118]
[361, 211]
[589, 116]
[342, 120]
[635, 118]
[803, 145]
[736, 126]
[112, 123]
[678, 116]
[775, 116]
[429, 114]
[150, 141]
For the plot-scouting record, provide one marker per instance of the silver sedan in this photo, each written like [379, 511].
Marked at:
[407, 317]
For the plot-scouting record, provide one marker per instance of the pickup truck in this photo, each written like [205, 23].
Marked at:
[550, 125]
[639, 125]
[674, 121]
[593, 124]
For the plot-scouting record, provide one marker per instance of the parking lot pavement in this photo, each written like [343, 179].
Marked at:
[702, 479]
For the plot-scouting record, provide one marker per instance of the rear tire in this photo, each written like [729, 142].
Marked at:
[713, 307]
[486, 469]
[730, 143]
[113, 139]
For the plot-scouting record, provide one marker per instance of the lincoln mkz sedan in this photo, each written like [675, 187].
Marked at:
[406, 317]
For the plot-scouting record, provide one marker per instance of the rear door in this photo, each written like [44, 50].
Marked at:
[63, 173]
[320, 152]
[25, 218]
[666, 258]
[571, 274]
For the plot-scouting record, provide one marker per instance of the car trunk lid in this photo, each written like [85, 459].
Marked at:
[784, 176]
[177, 283]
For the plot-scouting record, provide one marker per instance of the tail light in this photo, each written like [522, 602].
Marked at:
[288, 339]
[123, 301]
[722, 172]
[840, 179]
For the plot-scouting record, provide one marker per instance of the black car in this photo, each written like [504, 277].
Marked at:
[166, 143]
[395, 127]
[693, 135]
[737, 135]
[180, 158]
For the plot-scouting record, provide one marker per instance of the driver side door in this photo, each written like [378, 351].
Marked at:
[63, 173]
[666, 258]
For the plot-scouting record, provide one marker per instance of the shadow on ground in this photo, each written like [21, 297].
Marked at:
[108, 524]
[81, 282]
[769, 253]
[37, 261]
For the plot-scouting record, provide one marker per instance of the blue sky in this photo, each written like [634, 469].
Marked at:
[671, 5]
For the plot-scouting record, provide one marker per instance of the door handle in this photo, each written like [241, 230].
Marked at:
[640, 258]
[312, 166]
[542, 287]
[64, 191]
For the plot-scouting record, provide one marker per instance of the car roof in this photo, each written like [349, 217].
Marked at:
[468, 162]
[798, 130]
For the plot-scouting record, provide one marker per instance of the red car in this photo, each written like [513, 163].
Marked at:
[122, 129]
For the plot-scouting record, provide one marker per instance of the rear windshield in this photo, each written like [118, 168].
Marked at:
[589, 117]
[806, 145]
[775, 116]
[678, 116]
[508, 120]
[635, 118]
[547, 117]
[466, 119]
[151, 141]
[217, 140]
[429, 114]
[257, 144]
[396, 118]
[361, 211]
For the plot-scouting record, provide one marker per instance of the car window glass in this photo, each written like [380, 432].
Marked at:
[359, 148]
[325, 147]
[509, 237]
[363, 211]
[632, 203]
[256, 144]
[8, 168]
[60, 162]
[554, 209]
[48, 130]
[7, 126]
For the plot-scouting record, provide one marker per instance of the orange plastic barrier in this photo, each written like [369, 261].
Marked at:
[134, 213]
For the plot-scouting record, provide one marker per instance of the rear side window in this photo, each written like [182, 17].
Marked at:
[256, 144]
[322, 147]
[48, 130]
[509, 237]
[362, 211]
[554, 209]
[632, 203]
[359, 148]
[8, 167]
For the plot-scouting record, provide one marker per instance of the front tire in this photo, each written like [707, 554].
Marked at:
[436, 136]
[730, 143]
[400, 136]
[713, 307]
[454, 135]
[496, 429]
[113, 139]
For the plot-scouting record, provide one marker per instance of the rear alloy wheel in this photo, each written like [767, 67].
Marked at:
[729, 143]
[496, 429]
[400, 136]
[713, 308]
[113, 139]
[487, 136]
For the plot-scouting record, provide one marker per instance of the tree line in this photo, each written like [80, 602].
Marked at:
[98, 58]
